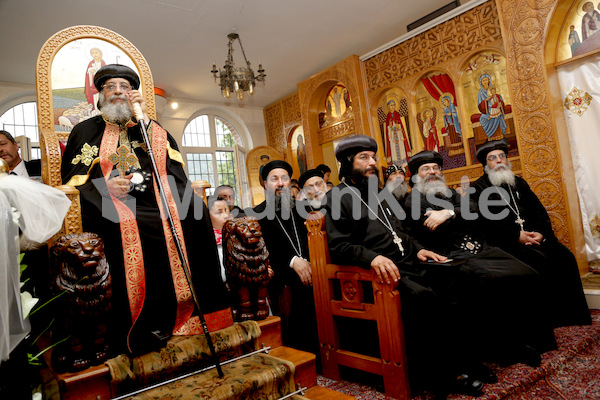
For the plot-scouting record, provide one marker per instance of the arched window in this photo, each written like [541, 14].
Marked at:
[21, 122]
[215, 152]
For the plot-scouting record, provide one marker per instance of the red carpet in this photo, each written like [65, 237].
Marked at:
[570, 373]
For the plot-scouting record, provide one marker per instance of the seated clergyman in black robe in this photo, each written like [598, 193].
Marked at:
[107, 160]
[504, 292]
[284, 231]
[524, 230]
[446, 333]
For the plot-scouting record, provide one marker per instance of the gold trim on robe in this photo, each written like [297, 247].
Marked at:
[175, 155]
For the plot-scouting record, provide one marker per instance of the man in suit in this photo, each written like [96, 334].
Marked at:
[9, 152]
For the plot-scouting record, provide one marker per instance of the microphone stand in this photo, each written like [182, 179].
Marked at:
[139, 115]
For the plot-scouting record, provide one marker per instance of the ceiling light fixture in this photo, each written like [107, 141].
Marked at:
[234, 79]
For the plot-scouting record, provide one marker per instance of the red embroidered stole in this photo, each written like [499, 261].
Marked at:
[132, 248]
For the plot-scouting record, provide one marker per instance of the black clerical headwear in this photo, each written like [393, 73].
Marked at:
[111, 71]
[424, 157]
[391, 169]
[274, 165]
[492, 145]
[307, 175]
[353, 145]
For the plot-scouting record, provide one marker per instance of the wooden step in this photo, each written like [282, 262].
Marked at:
[321, 393]
[306, 373]
[270, 332]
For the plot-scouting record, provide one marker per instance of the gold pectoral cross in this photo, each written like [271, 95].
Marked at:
[398, 242]
[520, 221]
[123, 159]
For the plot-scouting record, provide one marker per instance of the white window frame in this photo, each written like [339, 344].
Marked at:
[239, 154]
[28, 148]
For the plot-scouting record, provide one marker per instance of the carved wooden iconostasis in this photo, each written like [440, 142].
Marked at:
[488, 73]
[327, 106]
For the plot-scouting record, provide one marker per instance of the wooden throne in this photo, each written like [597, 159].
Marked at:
[64, 85]
[64, 95]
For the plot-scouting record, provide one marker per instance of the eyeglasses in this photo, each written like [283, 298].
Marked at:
[501, 156]
[112, 86]
[366, 157]
[427, 168]
[318, 185]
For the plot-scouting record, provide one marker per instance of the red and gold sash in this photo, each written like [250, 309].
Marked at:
[185, 324]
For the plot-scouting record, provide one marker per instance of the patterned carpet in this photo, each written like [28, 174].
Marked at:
[570, 373]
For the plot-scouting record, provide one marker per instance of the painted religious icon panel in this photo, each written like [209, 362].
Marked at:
[438, 121]
[297, 146]
[487, 101]
[392, 114]
[74, 95]
[337, 107]
[580, 30]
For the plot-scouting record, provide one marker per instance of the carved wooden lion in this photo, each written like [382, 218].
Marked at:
[81, 273]
[246, 262]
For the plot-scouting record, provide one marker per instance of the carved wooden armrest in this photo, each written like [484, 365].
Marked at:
[72, 222]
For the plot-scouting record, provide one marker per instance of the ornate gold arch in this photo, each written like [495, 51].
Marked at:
[49, 138]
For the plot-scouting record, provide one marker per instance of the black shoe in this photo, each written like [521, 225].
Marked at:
[467, 385]
[483, 373]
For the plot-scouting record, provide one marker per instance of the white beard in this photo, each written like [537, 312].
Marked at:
[315, 203]
[118, 113]
[432, 185]
[501, 174]
[398, 187]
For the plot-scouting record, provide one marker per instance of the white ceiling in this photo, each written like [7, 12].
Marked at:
[181, 39]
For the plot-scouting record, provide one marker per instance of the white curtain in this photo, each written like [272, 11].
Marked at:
[580, 92]
[38, 210]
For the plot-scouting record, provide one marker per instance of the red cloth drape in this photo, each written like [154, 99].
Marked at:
[443, 82]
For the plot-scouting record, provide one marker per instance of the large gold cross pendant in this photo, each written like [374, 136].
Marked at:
[123, 159]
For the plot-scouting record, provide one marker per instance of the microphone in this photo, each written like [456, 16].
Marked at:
[137, 112]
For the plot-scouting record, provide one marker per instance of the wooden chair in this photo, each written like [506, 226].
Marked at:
[344, 291]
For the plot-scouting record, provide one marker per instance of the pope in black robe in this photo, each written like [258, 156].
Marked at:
[141, 323]
[555, 262]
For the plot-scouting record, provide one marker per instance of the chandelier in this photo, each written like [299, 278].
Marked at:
[234, 79]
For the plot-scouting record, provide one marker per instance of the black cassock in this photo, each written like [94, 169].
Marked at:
[504, 293]
[158, 313]
[456, 314]
[555, 262]
[300, 329]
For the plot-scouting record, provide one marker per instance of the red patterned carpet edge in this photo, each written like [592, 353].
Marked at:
[572, 372]
[360, 392]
